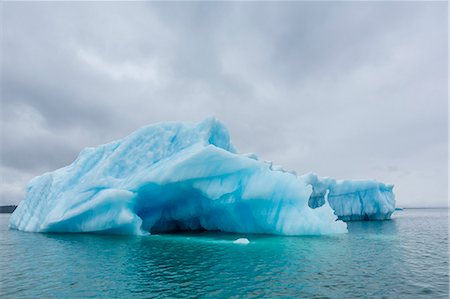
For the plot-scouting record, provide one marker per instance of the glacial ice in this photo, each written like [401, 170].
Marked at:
[188, 176]
[242, 241]
[352, 200]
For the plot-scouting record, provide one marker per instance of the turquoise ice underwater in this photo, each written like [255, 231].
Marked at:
[189, 176]
[406, 257]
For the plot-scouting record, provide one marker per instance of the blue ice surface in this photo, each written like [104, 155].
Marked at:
[188, 176]
[352, 200]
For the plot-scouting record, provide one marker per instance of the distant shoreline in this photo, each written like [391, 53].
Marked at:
[424, 208]
[7, 209]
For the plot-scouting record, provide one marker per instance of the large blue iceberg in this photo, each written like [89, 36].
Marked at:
[188, 176]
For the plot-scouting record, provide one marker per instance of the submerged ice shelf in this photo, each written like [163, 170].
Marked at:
[188, 176]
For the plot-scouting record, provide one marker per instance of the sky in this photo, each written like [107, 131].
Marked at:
[351, 90]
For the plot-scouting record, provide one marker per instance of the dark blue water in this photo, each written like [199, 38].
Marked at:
[407, 257]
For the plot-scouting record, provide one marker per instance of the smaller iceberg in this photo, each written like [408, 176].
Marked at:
[352, 200]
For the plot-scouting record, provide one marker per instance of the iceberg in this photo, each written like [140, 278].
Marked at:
[352, 200]
[188, 176]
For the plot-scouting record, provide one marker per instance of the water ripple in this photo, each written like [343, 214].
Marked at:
[403, 258]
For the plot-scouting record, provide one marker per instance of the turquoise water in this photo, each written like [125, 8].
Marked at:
[407, 257]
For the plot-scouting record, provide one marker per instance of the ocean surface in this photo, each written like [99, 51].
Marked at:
[407, 257]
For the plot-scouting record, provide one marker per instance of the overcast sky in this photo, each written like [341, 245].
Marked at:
[346, 89]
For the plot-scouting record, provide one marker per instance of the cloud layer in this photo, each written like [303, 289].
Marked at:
[345, 89]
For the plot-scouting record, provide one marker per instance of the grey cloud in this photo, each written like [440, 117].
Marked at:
[348, 89]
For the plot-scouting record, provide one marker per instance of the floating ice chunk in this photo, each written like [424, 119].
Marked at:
[243, 241]
[175, 176]
[352, 200]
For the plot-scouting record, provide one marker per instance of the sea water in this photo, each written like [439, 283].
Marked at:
[406, 257]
